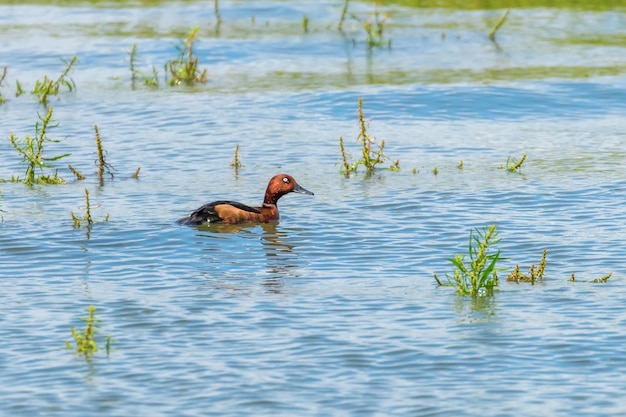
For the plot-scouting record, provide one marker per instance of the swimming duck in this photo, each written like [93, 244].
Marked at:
[233, 212]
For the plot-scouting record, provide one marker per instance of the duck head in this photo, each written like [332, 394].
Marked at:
[280, 185]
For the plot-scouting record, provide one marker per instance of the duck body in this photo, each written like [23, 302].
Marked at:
[232, 212]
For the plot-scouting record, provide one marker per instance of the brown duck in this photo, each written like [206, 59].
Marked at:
[233, 212]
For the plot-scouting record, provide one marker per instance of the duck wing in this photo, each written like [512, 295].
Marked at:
[217, 211]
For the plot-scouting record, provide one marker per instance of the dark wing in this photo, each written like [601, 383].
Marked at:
[209, 213]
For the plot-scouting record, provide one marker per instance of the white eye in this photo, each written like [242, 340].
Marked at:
[286, 180]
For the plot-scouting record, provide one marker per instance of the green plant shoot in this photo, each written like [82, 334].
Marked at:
[32, 151]
[370, 157]
[184, 69]
[478, 277]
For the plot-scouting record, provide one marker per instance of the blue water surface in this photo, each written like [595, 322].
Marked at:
[334, 310]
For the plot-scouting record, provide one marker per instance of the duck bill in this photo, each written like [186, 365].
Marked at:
[300, 190]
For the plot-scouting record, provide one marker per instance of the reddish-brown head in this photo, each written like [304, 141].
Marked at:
[280, 185]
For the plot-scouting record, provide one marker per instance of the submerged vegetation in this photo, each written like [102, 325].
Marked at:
[603, 279]
[515, 165]
[370, 156]
[479, 276]
[534, 274]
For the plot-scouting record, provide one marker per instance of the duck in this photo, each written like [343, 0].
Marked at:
[232, 212]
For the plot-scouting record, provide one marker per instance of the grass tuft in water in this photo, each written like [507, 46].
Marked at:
[604, 278]
[374, 28]
[48, 87]
[151, 81]
[305, 24]
[87, 217]
[184, 68]
[77, 173]
[236, 162]
[32, 151]
[370, 157]
[515, 165]
[498, 25]
[479, 276]
[533, 276]
[344, 11]
[136, 173]
[103, 165]
[2, 77]
[85, 340]
[78, 221]
[216, 9]
[18, 89]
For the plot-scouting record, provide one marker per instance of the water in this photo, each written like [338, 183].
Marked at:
[334, 310]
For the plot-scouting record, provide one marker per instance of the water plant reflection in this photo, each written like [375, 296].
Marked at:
[278, 252]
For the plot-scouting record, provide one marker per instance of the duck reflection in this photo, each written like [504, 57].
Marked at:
[280, 258]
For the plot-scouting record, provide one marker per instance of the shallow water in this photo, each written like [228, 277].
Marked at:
[334, 310]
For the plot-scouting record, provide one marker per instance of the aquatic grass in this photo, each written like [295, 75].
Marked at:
[344, 11]
[2, 77]
[534, 274]
[601, 280]
[85, 340]
[32, 151]
[48, 87]
[78, 221]
[370, 156]
[216, 9]
[151, 81]
[136, 173]
[86, 218]
[515, 165]
[236, 162]
[479, 276]
[305, 24]
[79, 176]
[18, 89]
[103, 165]
[374, 28]
[498, 25]
[184, 69]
